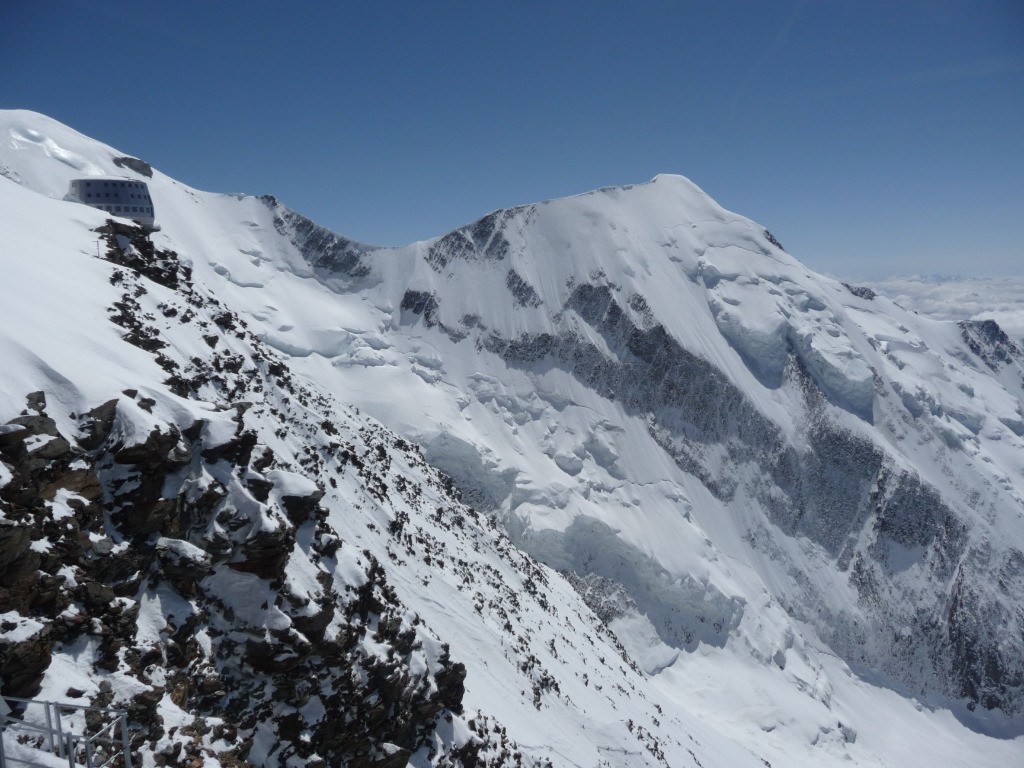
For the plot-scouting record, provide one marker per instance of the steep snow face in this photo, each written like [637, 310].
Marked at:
[744, 468]
[864, 462]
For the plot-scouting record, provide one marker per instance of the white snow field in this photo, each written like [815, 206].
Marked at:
[798, 507]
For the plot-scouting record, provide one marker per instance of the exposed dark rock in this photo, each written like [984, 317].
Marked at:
[861, 291]
[265, 553]
[451, 685]
[15, 540]
[141, 167]
[183, 564]
[425, 304]
[302, 508]
[23, 663]
[279, 654]
[96, 597]
[12, 435]
[483, 240]
[36, 401]
[771, 239]
[236, 451]
[129, 245]
[314, 625]
[259, 487]
[421, 303]
[37, 424]
[523, 294]
[320, 247]
[986, 673]
[151, 452]
[989, 342]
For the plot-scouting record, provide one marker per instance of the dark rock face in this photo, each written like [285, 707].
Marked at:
[425, 304]
[129, 246]
[14, 544]
[183, 565]
[989, 342]
[133, 163]
[421, 303]
[523, 294]
[771, 239]
[482, 240]
[321, 247]
[23, 662]
[301, 508]
[986, 673]
[861, 291]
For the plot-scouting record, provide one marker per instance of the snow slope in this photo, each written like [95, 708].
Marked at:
[796, 505]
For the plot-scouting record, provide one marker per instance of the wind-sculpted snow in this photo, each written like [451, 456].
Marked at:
[767, 317]
[787, 512]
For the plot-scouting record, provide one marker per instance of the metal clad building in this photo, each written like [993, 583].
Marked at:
[120, 197]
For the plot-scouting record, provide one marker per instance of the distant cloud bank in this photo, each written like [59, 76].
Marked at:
[959, 298]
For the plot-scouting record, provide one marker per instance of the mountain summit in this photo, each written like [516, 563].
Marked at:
[605, 480]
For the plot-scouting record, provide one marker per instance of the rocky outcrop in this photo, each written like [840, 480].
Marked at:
[129, 246]
[861, 291]
[177, 556]
[141, 167]
[59, 564]
[321, 247]
[483, 240]
[990, 343]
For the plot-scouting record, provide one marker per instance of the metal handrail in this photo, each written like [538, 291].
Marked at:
[68, 744]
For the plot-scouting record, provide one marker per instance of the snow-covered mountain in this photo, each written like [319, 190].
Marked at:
[715, 509]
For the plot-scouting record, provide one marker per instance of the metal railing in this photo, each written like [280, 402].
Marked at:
[50, 726]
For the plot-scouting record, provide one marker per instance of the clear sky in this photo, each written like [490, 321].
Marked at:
[873, 138]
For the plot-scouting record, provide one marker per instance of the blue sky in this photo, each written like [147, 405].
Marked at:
[873, 138]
